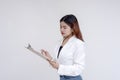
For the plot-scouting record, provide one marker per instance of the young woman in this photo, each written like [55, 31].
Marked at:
[70, 52]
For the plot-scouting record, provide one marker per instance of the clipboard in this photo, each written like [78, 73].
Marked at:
[36, 52]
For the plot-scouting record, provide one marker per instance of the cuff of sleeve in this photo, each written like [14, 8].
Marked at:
[60, 69]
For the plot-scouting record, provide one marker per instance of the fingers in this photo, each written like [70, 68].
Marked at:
[52, 62]
[45, 53]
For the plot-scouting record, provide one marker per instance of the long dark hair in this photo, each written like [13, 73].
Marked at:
[72, 21]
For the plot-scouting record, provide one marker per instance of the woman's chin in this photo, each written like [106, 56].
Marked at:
[65, 36]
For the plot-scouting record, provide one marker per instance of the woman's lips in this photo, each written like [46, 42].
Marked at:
[62, 33]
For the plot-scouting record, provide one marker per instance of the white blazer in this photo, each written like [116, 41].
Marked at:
[71, 58]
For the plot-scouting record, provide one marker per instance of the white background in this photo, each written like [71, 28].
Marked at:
[37, 22]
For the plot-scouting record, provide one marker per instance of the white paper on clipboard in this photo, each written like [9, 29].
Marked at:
[36, 52]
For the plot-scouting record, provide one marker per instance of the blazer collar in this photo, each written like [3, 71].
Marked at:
[70, 40]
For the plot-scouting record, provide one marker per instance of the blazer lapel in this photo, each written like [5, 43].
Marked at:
[66, 46]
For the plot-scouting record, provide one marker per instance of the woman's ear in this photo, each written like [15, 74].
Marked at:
[72, 31]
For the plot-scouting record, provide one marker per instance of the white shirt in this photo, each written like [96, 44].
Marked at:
[71, 58]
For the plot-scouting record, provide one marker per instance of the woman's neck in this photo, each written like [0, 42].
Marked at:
[65, 40]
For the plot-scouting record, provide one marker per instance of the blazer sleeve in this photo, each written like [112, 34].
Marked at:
[78, 63]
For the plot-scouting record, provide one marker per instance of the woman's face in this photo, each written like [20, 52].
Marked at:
[65, 29]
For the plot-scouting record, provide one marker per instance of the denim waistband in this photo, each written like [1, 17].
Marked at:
[70, 76]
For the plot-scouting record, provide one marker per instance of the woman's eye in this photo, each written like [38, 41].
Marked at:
[65, 27]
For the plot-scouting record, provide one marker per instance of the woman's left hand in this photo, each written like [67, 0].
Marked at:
[54, 64]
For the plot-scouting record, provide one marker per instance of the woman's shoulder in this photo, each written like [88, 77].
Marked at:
[79, 44]
[78, 41]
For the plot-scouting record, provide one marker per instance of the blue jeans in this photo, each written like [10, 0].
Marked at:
[63, 77]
